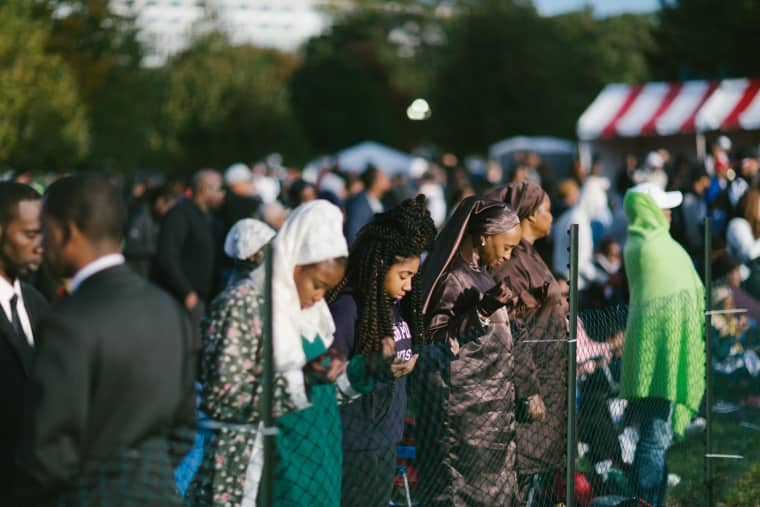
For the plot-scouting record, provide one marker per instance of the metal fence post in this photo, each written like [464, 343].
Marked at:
[708, 366]
[571, 381]
[266, 487]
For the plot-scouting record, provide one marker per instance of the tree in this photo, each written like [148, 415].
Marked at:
[43, 125]
[505, 70]
[229, 103]
[706, 39]
[358, 78]
[122, 98]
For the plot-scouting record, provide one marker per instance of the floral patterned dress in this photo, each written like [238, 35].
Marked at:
[308, 444]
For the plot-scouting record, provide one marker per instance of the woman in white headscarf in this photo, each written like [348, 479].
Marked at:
[245, 245]
[309, 259]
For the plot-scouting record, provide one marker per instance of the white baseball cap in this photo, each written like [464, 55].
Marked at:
[654, 160]
[665, 200]
[724, 143]
[236, 173]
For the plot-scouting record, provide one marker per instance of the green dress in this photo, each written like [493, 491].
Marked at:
[308, 443]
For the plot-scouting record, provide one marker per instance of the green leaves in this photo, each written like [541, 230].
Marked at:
[42, 121]
[229, 103]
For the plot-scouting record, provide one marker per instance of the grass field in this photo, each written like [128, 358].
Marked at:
[737, 482]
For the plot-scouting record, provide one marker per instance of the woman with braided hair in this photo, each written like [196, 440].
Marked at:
[465, 405]
[379, 299]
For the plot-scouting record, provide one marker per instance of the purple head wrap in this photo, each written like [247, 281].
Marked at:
[475, 216]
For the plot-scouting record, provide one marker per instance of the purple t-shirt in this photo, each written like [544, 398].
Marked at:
[375, 420]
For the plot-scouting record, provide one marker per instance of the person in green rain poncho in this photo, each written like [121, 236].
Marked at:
[309, 259]
[663, 366]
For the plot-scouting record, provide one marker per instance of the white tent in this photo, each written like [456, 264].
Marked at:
[356, 158]
[559, 153]
[680, 116]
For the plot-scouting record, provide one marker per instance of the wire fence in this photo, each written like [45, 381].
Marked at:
[563, 410]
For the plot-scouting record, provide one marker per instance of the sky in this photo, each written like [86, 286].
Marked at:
[601, 7]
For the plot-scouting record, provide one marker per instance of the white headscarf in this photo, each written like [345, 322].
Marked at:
[247, 237]
[312, 233]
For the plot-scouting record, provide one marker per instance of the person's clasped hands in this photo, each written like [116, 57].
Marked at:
[496, 297]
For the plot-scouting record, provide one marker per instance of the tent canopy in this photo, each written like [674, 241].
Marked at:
[356, 158]
[660, 109]
[539, 144]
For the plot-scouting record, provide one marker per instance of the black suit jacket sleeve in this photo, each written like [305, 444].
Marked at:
[36, 305]
[57, 408]
[182, 437]
[174, 231]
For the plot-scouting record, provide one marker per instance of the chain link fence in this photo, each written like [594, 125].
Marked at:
[506, 420]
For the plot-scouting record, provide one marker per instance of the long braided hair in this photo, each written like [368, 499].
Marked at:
[401, 232]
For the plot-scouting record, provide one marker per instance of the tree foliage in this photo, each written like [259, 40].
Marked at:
[43, 125]
[74, 93]
[706, 39]
[358, 78]
[229, 103]
[505, 70]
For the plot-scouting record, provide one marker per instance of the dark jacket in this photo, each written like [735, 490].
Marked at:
[540, 365]
[358, 214]
[16, 357]
[376, 420]
[465, 423]
[141, 240]
[237, 207]
[188, 255]
[111, 396]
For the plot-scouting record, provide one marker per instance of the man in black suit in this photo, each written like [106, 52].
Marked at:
[111, 389]
[22, 307]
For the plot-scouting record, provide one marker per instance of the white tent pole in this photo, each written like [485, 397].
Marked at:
[700, 146]
[584, 153]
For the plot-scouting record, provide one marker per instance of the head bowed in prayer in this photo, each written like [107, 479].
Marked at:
[383, 267]
[20, 245]
[532, 205]
[309, 259]
[482, 231]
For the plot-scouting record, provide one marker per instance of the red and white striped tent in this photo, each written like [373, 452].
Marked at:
[678, 116]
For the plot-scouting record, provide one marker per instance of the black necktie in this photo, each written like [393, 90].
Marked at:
[16, 321]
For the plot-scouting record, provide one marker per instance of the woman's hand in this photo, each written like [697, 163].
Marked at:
[388, 347]
[325, 369]
[494, 298]
[536, 408]
[401, 368]
[454, 343]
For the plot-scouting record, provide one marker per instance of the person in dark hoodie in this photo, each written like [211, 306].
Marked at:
[380, 297]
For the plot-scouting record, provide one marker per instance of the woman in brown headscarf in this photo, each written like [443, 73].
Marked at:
[465, 404]
[538, 317]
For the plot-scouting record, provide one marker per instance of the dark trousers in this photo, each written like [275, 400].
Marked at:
[196, 315]
[536, 490]
[368, 477]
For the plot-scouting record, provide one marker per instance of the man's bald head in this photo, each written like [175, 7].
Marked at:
[208, 189]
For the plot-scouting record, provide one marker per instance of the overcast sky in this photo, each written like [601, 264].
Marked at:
[601, 7]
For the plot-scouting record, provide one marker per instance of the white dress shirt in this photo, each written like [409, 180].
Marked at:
[96, 266]
[7, 291]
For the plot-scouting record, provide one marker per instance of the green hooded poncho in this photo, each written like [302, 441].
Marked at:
[664, 355]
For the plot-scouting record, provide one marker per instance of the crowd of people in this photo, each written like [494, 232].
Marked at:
[432, 309]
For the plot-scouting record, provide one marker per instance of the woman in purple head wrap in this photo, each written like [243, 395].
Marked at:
[465, 404]
[539, 324]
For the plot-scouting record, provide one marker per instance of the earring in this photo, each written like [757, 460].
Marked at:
[482, 242]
